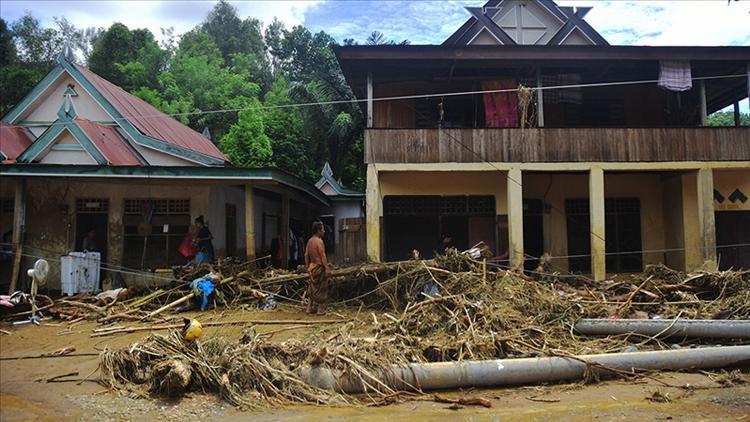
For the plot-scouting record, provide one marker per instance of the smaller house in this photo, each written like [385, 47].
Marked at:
[346, 219]
[80, 154]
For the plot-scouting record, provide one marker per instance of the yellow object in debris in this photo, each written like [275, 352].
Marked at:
[192, 329]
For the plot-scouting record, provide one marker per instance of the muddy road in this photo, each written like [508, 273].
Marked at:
[26, 395]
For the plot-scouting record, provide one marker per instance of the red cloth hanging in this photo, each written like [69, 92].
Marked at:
[500, 108]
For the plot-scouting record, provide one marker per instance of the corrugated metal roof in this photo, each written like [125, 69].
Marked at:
[114, 148]
[149, 120]
[13, 140]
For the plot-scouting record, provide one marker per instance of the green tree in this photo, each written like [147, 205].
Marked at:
[240, 42]
[273, 37]
[87, 40]
[115, 48]
[333, 131]
[726, 118]
[36, 46]
[246, 144]
[198, 83]
[7, 47]
[144, 71]
[17, 78]
[286, 129]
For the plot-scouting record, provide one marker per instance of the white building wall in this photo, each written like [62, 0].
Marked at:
[46, 107]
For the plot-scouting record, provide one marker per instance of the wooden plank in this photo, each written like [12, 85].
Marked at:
[557, 145]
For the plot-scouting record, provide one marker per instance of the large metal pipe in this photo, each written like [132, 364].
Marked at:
[666, 327]
[491, 373]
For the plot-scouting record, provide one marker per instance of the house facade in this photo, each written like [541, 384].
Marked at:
[526, 130]
[81, 154]
[345, 221]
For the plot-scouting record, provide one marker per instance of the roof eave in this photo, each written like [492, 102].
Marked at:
[165, 172]
[346, 54]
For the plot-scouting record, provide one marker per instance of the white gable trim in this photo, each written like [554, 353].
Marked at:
[484, 29]
[40, 94]
[55, 140]
[552, 12]
[571, 32]
[165, 152]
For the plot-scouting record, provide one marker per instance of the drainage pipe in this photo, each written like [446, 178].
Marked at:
[490, 373]
[712, 328]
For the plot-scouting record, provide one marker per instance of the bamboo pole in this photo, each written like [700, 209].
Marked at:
[220, 323]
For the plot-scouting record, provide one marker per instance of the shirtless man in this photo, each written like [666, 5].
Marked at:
[319, 270]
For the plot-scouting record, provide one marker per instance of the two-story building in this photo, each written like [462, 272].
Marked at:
[80, 155]
[526, 130]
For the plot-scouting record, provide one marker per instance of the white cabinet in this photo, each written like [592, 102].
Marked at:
[79, 272]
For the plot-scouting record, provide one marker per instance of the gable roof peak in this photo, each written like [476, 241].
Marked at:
[327, 171]
[66, 54]
[539, 22]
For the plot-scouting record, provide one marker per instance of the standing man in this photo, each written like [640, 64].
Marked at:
[319, 270]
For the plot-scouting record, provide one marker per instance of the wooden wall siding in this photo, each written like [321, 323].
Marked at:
[556, 145]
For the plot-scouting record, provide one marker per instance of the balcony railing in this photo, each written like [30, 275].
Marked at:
[557, 145]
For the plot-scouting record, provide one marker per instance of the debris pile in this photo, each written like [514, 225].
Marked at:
[452, 308]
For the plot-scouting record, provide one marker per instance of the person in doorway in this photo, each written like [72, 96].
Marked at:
[445, 243]
[319, 270]
[89, 242]
[203, 241]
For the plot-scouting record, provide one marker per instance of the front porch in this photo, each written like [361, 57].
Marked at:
[595, 219]
[140, 216]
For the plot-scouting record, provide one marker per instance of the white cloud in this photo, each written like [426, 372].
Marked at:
[154, 15]
[687, 23]
[704, 22]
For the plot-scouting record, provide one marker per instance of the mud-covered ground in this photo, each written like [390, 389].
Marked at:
[25, 395]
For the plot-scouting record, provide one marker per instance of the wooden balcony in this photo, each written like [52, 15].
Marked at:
[557, 145]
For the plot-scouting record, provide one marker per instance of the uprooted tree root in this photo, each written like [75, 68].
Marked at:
[251, 372]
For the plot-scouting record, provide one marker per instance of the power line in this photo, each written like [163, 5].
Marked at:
[406, 97]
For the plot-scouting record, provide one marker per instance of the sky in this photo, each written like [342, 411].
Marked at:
[621, 22]
[711, 22]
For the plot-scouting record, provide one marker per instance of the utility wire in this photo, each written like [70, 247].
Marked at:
[407, 97]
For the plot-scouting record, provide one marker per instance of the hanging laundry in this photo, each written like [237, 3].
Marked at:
[500, 108]
[675, 75]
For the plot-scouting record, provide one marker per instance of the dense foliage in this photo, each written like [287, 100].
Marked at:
[234, 76]
[726, 118]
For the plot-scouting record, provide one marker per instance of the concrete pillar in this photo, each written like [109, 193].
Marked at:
[706, 217]
[249, 222]
[691, 232]
[285, 231]
[597, 224]
[373, 212]
[515, 218]
[19, 227]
